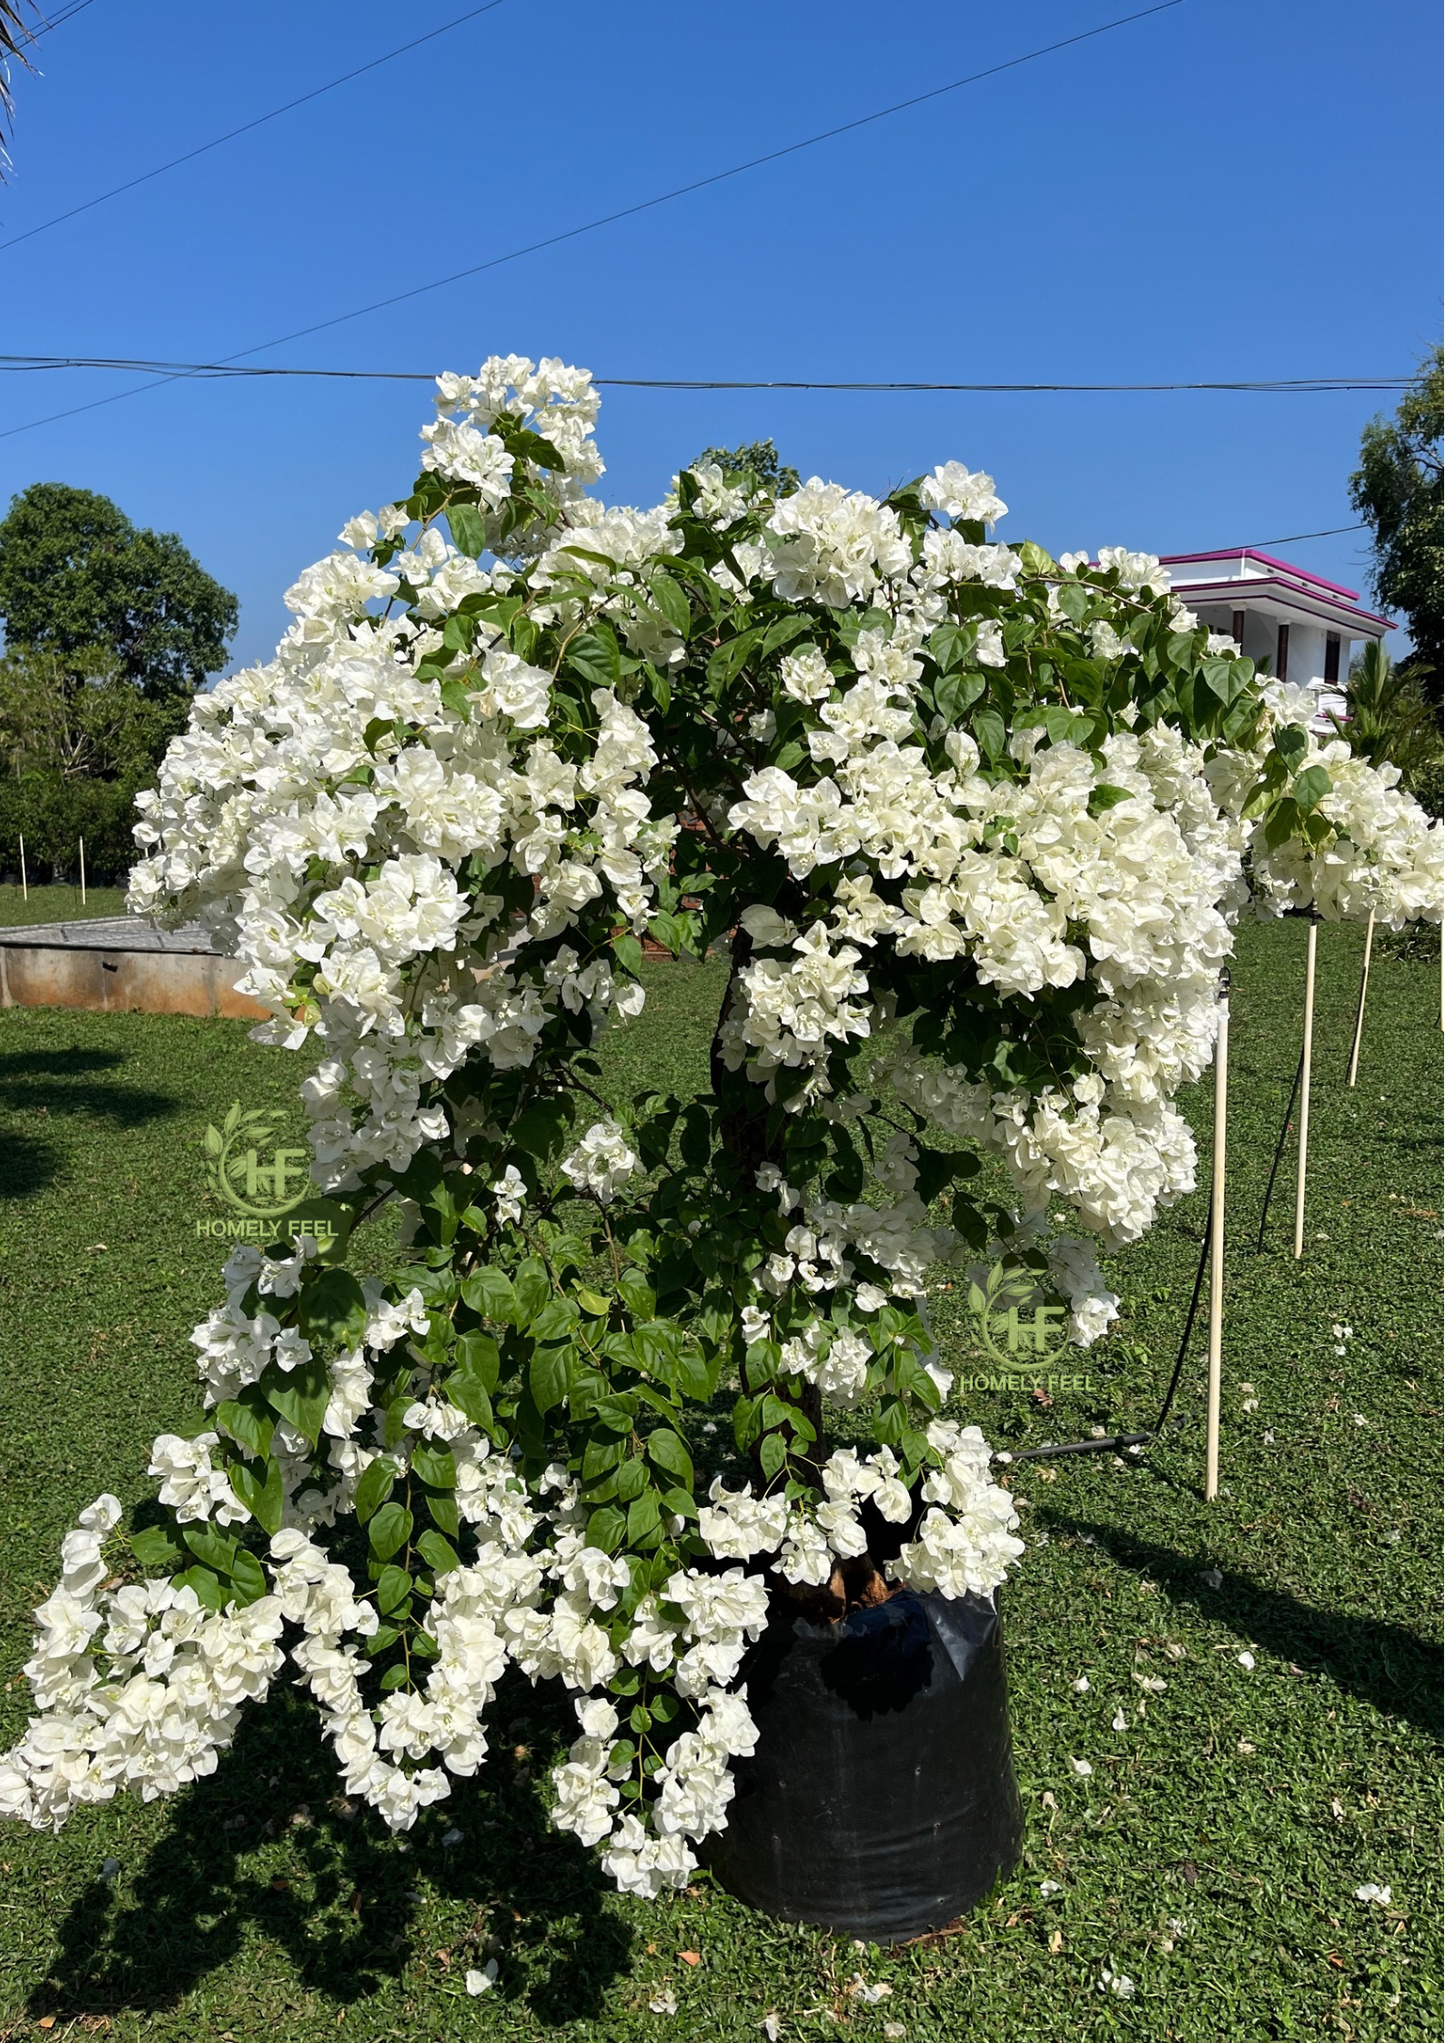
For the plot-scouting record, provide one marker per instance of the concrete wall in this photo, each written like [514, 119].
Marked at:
[118, 982]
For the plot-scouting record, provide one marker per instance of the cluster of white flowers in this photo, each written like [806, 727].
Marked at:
[138, 1688]
[318, 812]
[964, 1542]
[602, 1162]
[694, 1636]
[1381, 856]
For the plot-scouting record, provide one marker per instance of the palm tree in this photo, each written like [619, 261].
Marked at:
[1388, 719]
[14, 39]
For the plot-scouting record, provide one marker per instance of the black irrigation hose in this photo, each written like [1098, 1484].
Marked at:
[1279, 1152]
[1115, 1441]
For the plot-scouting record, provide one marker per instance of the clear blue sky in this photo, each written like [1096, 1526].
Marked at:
[1232, 189]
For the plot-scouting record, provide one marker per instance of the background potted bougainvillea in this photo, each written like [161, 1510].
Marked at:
[973, 824]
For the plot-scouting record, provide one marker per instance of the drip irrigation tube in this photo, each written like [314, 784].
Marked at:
[1116, 1441]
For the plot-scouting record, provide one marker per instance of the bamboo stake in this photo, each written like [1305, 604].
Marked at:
[1360, 1010]
[82, 872]
[24, 881]
[1304, 1093]
[1216, 1255]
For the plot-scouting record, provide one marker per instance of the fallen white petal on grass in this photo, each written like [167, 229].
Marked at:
[1343, 1333]
[1251, 1404]
[1048, 1887]
[452, 1838]
[109, 1870]
[1360, 1419]
[1081, 1686]
[894, 2030]
[1119, 1722]
[1246, 1661]
[1081, 1766]
[1153, 1684]
[870, 1996]
[1212, 1579]
[1370, 1892]
[772, 2027]
[664, 2003]
[483, 1981]
[1110, 1981]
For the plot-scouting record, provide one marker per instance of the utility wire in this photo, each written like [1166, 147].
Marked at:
[246, 126]
[1279, 386]
[1329, 532]
[32, 35]
[630, 212]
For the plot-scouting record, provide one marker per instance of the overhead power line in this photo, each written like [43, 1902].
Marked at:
[56, 20]
[630, 212]
[246, 127]
[1272, 386]
[1289, 538]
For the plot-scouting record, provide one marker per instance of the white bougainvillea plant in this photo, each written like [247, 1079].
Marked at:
[1007, 805]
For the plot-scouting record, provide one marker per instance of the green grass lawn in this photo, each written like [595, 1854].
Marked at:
[1213, 1852]
[59, 903]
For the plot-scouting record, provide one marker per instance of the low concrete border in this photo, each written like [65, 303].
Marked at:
[80, 965]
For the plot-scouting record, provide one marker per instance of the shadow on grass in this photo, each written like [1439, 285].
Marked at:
[1393, 1670]
[348, 1920]
[65, 1082]
[28, 1165]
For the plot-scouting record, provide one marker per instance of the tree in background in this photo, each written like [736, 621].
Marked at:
[758, 458]
[1397, 489]
[109, 631]
[1389, 722]
[79, 581]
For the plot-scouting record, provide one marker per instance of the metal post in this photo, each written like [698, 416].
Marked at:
[82, 872]
[24, 881]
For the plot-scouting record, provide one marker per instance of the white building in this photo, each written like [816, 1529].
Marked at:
[1288, 621]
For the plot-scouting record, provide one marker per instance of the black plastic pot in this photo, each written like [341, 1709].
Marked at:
[881, 1801]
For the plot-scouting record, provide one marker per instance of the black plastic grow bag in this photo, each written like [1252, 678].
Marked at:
[881, 1801]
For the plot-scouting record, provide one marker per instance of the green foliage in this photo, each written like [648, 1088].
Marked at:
[1389, 721]
[75, 748]
[757, 458]
[79, 581]
[1398, 490]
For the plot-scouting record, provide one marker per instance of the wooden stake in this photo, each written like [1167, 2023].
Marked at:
[82, 872]
[1304, 1093]
[24, 882]
[1216, 1255]
[1360, 1010]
